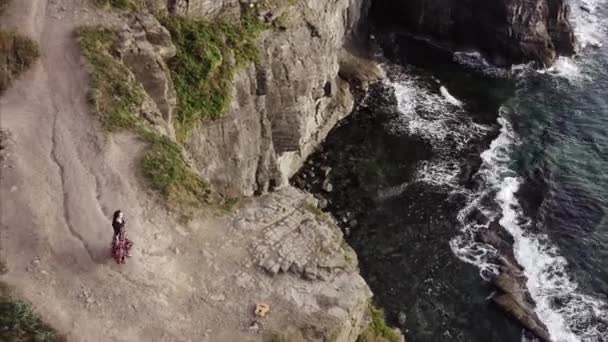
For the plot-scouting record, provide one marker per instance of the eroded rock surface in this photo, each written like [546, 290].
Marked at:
[301, 251]
[284, 106]
[144, 46]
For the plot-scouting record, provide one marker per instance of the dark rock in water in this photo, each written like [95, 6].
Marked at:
[327, 186]
[514, 298]
[522, 314]
[322, 202]
[496, 236]
[401, 318]
[508, 31]
[477, 216]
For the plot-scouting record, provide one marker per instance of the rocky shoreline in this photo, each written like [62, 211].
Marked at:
[334, 175]
[198, 277]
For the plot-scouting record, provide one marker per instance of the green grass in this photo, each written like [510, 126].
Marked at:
[164, 167]
[17, 54]
[378, 330]
[121, 4]
[116, 97]
[208, 56]
[19, 324]
[230, 204]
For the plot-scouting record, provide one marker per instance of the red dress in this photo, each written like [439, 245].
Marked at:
[121, 246]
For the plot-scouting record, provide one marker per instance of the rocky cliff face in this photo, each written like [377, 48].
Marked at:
[284, 105]
[507, 31]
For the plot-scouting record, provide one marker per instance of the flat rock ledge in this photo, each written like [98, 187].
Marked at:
[300, 252]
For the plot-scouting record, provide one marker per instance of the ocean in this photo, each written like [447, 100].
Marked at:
[447, 136]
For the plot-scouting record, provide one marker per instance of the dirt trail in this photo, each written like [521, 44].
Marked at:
[64, 180]
[63, 177]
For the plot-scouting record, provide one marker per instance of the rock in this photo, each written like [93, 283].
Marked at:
[321, 203]
[283, 106]
[261, 310]
[523, 315]
[347, 231]
[144, 46]
[359, 69]
[327, 186]
[508, 31]
[401, 318]
[254, 327]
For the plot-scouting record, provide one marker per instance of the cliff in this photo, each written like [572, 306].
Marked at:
[103, 106]
[507, 31]
[284, 104]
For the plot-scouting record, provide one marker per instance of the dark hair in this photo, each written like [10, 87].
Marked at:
[116, 213]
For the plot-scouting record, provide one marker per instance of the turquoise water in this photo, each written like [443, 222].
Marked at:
[548, 173]
[447, 137]
[561, 158]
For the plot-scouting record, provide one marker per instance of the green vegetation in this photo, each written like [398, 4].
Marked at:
[277, 337]
[208, 55]
[316, 211]
[121, 4]
[19, 324]
[17, 54]
[165, 168]
[117, 97]
[378, 330]
[230, 204]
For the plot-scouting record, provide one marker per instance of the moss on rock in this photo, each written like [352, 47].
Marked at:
[117, 98]
[208, 56]
[378, 330]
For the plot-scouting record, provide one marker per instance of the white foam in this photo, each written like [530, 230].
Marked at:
[588, 26]
[475, 60]
[567, 68]
[431, 116]
[439, 119]
[546, 271]
[451, 99]
[391, 192]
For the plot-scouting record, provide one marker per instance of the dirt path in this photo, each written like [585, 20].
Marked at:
[65, 180]
[62, 179]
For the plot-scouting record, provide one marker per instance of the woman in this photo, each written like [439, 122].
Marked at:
[121, 245]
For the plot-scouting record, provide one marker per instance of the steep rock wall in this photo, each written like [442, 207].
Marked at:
[284, 105]
[508, 31]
